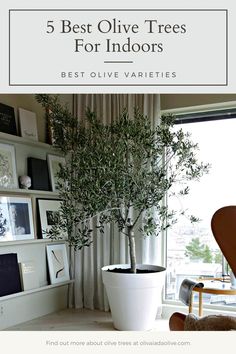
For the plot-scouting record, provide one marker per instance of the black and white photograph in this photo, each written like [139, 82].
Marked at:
[52, 217]
[49, 213]
[58, 263]
[16, 219]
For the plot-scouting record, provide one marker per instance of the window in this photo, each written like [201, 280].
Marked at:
[191, 248]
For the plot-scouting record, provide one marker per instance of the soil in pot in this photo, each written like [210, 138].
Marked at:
[128, 271]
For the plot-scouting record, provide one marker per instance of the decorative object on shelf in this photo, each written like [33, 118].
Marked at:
[28, 124]
[49, 213]
[7, 119]
[9, 274]
[54, 163]
[16, 218]
[25, 182]
[57, 263]
[29, 275]
[8, 176]
[38, 171]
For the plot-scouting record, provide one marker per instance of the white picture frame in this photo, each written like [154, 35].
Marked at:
[28, 124]
[8, 175]
[48, 210]
[54, 162]
[58, 263]
[16, 219]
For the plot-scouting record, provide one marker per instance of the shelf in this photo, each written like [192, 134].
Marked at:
[28, 191]
[28, 292]
[19, 140]
[26, 242]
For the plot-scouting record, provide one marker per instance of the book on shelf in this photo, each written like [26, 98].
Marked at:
[38, 171]
[29, 275]
[9, 274]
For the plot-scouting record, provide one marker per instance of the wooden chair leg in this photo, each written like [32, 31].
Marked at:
[200, 307]
[190, 308]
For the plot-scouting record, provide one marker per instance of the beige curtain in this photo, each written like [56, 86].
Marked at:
[111, 247]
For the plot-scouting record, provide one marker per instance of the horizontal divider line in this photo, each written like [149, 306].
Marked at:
[118, 61]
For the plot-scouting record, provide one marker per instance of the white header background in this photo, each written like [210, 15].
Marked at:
[13, 342]
[34, 62]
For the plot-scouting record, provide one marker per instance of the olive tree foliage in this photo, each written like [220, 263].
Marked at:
[119, 173]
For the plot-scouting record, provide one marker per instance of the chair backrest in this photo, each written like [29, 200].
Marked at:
[223, 225]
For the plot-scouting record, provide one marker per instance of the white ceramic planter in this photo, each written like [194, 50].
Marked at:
[134, 298]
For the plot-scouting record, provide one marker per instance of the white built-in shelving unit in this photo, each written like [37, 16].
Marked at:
[28, 192]
[26, 305]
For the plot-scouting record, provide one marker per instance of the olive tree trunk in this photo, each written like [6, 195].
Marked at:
[132, 251]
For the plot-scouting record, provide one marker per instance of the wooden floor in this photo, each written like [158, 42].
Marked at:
[77, 320]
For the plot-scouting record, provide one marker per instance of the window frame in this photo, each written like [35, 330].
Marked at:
[195, 114]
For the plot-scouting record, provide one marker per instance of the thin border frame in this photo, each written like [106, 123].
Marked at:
[226, 83]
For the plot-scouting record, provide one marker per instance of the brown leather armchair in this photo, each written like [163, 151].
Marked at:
[181, 322]
[223, 225]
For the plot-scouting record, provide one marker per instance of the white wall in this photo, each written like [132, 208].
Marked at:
[28, 102]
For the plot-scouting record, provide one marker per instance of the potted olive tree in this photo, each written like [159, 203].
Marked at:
[121, 173]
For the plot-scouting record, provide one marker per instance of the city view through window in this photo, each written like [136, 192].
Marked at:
[191, 248]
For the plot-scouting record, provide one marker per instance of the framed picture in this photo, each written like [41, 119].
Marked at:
[7, 119]
[8, 176]
[16, 219]
[28, 124]
[54, 163]
[49, 212]
[57, 263]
